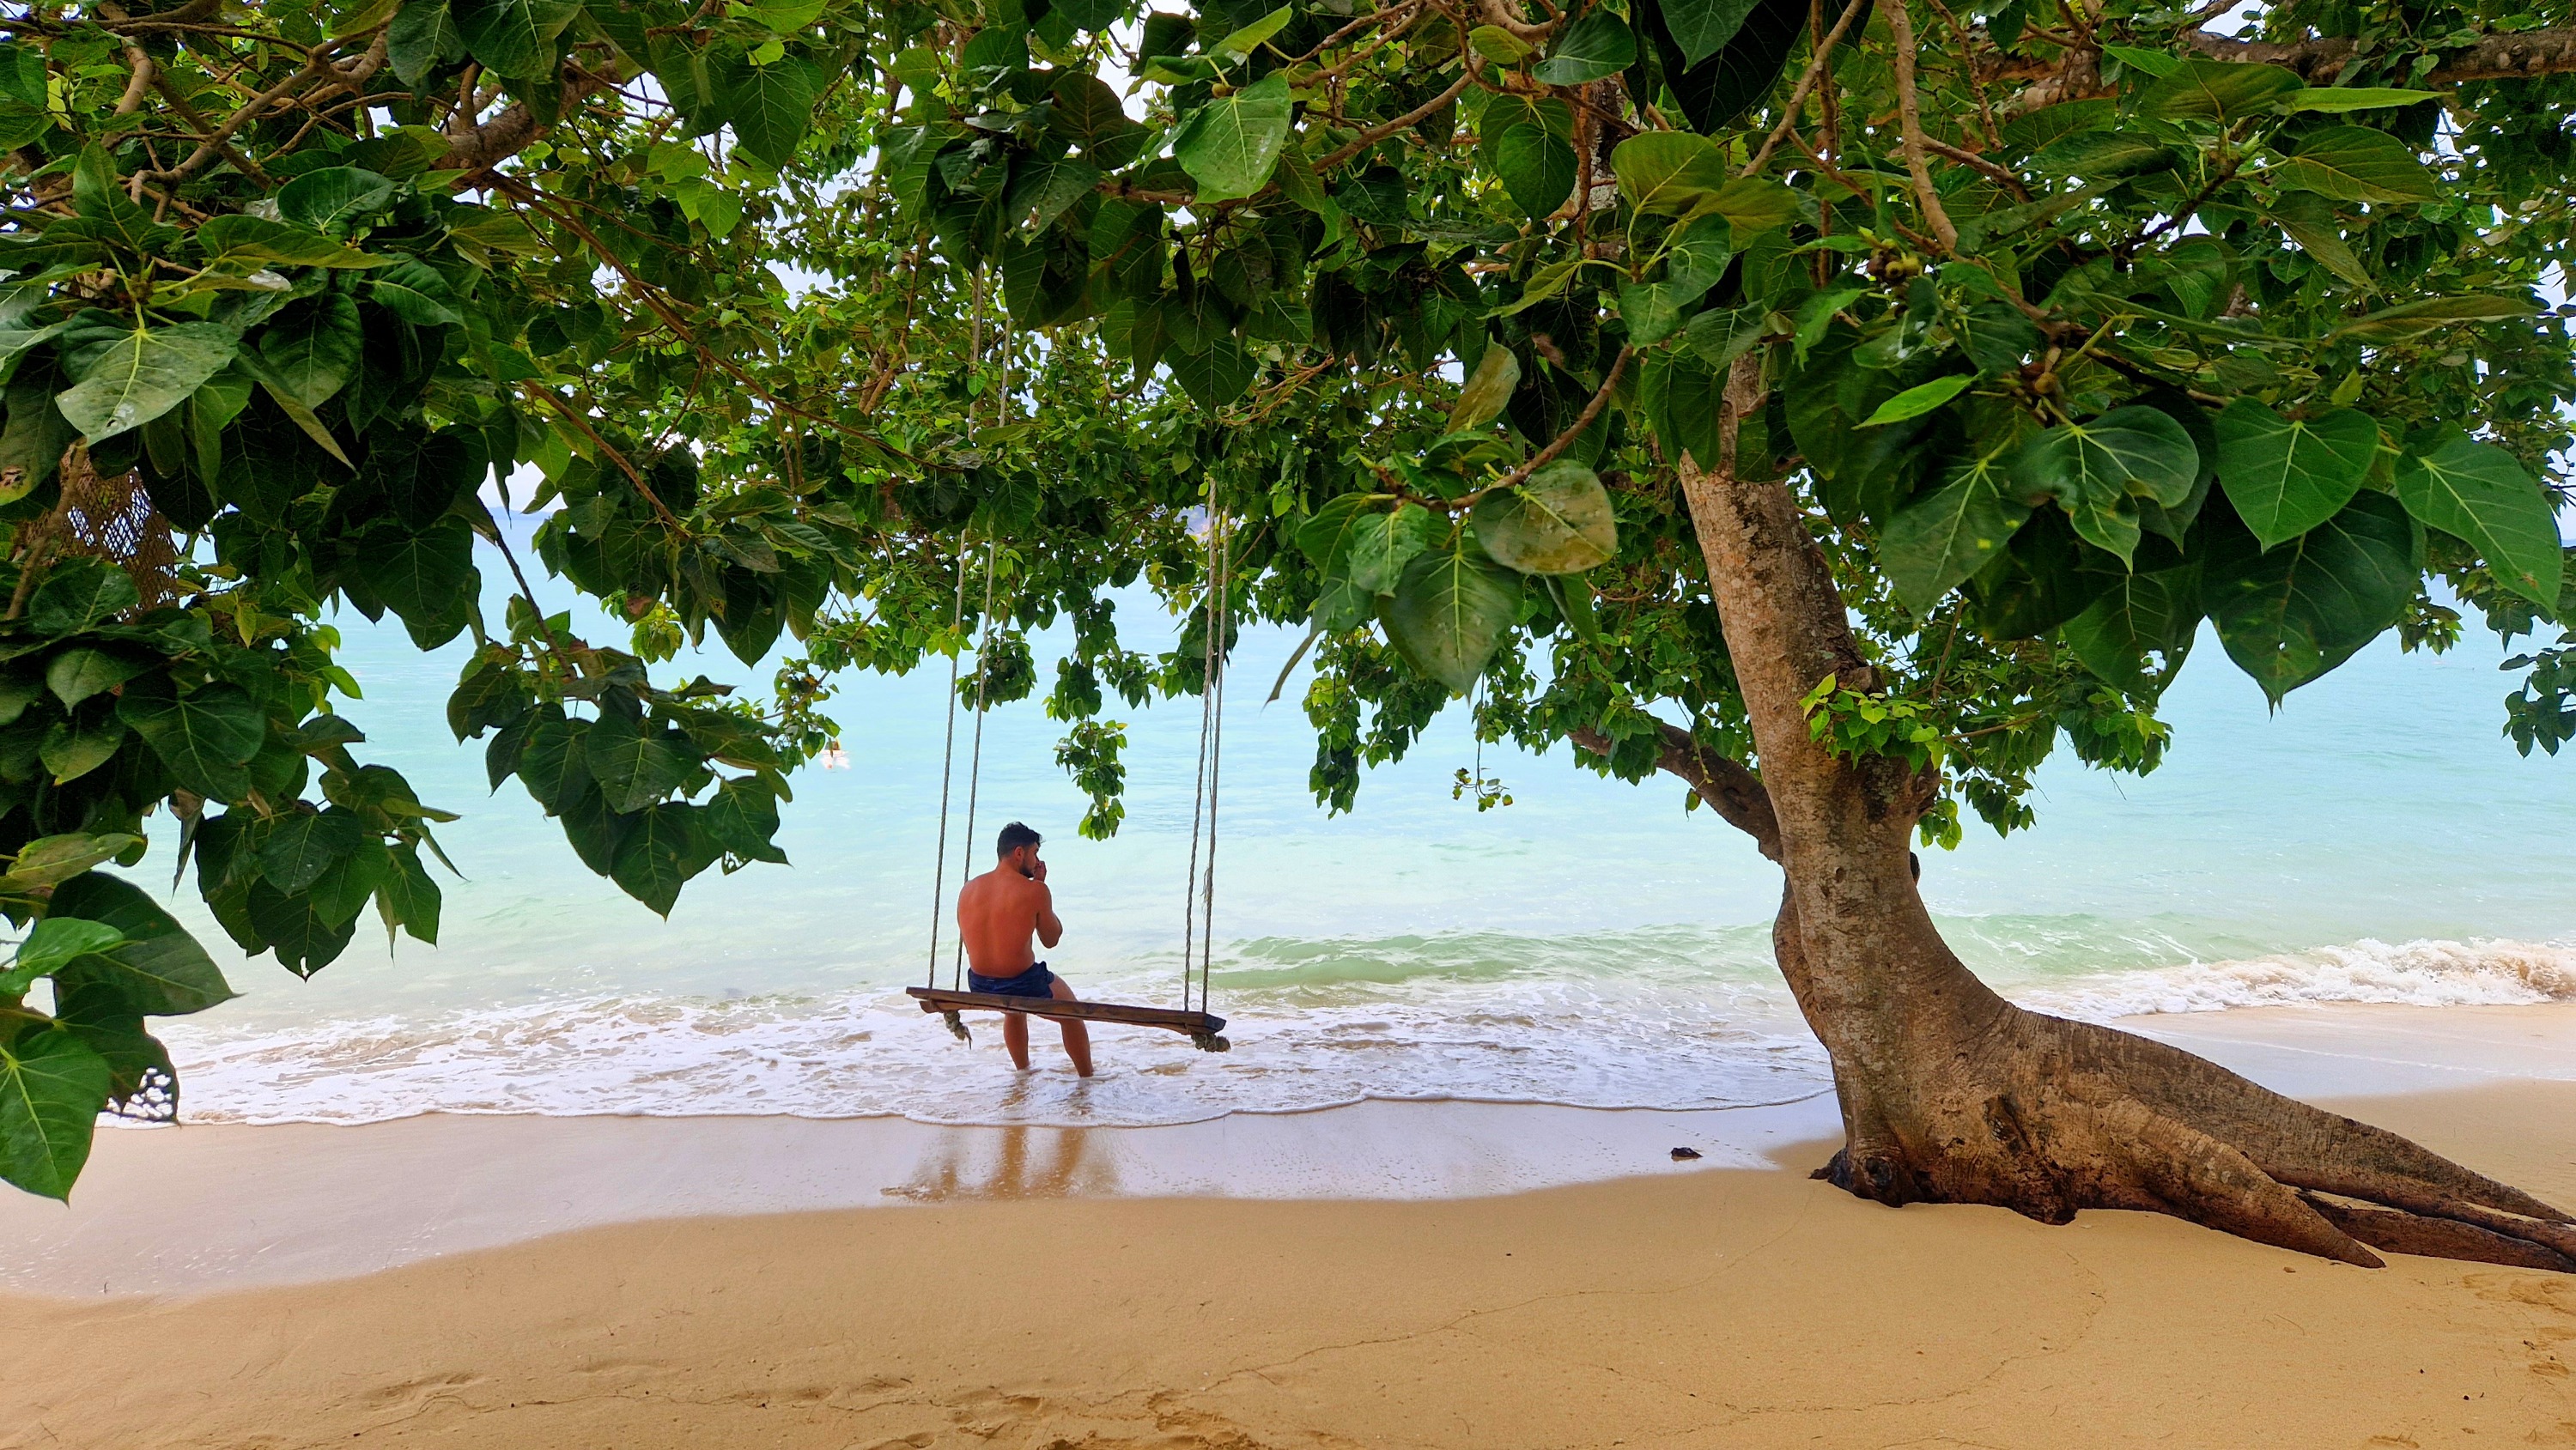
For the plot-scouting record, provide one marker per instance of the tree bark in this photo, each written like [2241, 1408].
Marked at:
[1951, 1094]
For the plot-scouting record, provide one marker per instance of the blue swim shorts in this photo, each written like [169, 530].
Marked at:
[1037, 981]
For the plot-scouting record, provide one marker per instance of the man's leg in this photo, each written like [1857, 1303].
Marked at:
[1015, 1036]
[1077, 1037]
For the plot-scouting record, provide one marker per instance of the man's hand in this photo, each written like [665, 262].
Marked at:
[1039, 874]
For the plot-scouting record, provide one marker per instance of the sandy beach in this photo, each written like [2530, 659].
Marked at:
[1091, 1287]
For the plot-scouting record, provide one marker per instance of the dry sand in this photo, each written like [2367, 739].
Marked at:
[1737, 1307]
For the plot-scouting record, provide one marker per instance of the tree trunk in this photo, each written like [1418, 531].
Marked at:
[1951, 1094]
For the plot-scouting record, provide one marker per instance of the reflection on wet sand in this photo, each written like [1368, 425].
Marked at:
[1012, 1162]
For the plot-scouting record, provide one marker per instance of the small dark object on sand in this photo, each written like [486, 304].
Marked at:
[1684, 1155]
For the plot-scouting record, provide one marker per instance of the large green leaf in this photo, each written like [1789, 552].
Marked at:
[80, 594]
[301, 845]
[1536, 165]
[142, 373]
[1384, 545]
[52, 1086]
[2288, 475]
[1558, 521]
[1487, 389]
[1938, 542]
[1230, 144]
[298, 928]
[2097, 468]
[2356, 163]
[551, 764]
[514, 38]
[205, 737]
[2480, 493]
[1215, 375]
[334, 196]
[310, 352]
[74, 747]
[1667, 173]
[51, 945]
[2136, 635]
[1699, 27]
[2216, 90]
[158, 970]
[1449, 613]
[2310, 221]
[770, 106]
[414, 291]
[241, 244]
[1596, 47]
[2414, 319]
[2289, 614]
[429, 579]
[422, 36]
[636, 762]
[662, 848]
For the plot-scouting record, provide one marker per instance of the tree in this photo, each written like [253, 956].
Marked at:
[1850, 404]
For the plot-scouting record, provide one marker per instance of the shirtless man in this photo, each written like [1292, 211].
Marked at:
[997, 913]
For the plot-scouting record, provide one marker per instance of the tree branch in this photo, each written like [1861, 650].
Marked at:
[511, 132]
[2493, 58]
[1909, 113]
[1726, 785]
[1375, 134]
[1816, 67]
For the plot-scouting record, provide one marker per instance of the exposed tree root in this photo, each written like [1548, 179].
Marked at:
[2046, 1117]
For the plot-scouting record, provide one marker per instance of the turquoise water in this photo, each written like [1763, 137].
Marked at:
[2376, 840]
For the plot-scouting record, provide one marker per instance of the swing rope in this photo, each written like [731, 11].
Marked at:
[1198, 893]
[975, 761]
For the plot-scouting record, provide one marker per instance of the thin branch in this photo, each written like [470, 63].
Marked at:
[1909, 103]
[1564, 440]
[1816, 68]
[1375, 134]
[566, 411]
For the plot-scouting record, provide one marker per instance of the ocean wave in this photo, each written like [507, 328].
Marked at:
[1666, 1018]
[2415, 973]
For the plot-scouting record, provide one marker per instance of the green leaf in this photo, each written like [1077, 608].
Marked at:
[309, 353]
[1920, 399]
[2154, 63]
[1558, 521]
[1250, 38]
[2103, 154]
[76, 674]
[1490, 387]
[1720, 336]
[2142, 617]
[51, 945]
[1216, 376]
[1653, 310]
[513, 38]
[298, 928]
[205, 737]
[334, 196]
[1230, 144]
[1450, 611]
[413, 291]
[662, 848]
[2312, 224]
[2290, 614]
[1536, 165]
[2356, 163]
[741, 819]
[301, 845]
[80, 594]
[2132, 451]
[2287, 475]
[423, 36]
[52, 860]
[2414, 319]
[1498, 45]
[1667, 173]
[52, 1086]
[2217, 90]
[1041, 191]
[635, 762]
[142, 374]
[1938, 542]
[1701, 26]
[2337, 99]
[429, 579]
[771, 106]
[1594, 48]
[158, 970]
[73, 748]
[239, 243]
[1384, 545]
[2480, 493]
[408, 898]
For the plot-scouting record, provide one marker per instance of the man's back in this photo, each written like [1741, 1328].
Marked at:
[997, 913]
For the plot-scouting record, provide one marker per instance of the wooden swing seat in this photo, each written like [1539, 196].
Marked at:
[1188, 1024]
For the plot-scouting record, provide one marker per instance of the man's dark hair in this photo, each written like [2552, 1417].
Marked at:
[1014, 836]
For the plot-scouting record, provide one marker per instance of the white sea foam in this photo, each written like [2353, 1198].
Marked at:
[1663, 1019]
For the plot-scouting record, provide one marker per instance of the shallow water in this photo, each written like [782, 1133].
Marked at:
[1592, 944]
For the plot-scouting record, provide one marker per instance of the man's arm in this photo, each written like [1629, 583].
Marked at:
[1050, 930]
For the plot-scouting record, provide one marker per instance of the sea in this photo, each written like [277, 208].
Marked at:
[1593, 943]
